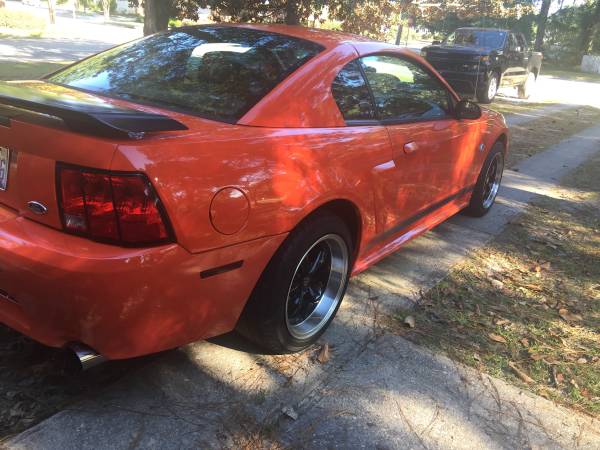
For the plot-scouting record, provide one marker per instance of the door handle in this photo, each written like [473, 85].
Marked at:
[410, 147]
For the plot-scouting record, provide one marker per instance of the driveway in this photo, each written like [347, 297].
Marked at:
[376, 391]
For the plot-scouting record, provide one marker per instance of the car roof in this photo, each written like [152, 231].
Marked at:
[326, 38]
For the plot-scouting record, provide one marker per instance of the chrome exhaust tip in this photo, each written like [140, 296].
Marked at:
[84, 357]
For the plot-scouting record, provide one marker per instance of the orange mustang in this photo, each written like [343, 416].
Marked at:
[226, 176]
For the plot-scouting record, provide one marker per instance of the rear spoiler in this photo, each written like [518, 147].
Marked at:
[82, 112]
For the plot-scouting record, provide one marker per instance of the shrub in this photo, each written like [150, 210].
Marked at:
[20, 20]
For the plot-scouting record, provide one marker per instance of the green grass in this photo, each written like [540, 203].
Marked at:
[571, 75]
[526, 308]
[12, 70]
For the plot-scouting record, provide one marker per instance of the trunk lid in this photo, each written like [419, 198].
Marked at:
[42, 124]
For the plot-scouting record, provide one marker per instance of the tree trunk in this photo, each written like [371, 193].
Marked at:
[106, 9]
[292, 16]
[156, 16]
[541, 24]
[52, 11]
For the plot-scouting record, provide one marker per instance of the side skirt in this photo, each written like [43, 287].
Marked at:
[391, 240]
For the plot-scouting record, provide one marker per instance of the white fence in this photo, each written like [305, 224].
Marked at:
[590, 64]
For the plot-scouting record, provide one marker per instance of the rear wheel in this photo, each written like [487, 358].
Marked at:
[487, 93]
[488, 183]
[301, 289]
[526, 88]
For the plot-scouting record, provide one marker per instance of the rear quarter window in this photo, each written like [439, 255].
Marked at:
[215, 72]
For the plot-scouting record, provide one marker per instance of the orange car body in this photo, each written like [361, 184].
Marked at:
[232, 193]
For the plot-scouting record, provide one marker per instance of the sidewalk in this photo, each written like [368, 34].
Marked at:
[377, 391]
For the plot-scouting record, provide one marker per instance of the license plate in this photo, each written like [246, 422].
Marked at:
[4, 163]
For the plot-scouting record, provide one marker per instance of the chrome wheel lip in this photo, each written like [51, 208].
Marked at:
[332, 294]
[493, 87]
[492, 180]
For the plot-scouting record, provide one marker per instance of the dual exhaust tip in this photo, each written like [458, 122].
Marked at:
[82, 358]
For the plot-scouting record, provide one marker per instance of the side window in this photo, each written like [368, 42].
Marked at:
[351, 93]
[404, 91]
[521, 41]
[512, 42]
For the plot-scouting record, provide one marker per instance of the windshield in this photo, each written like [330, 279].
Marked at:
[477, 38]
[215, 72]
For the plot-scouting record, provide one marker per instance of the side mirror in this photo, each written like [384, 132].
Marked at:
[466, 109]
[436, 42]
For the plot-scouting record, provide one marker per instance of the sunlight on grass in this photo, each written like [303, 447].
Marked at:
[13, 70]
[526, 308]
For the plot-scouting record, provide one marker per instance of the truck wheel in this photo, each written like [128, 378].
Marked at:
[488, 183]
[488, 92]
[526, 88]
[301, 289]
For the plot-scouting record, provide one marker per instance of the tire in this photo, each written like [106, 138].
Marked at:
[273, 316]
[484, 196]
[525, 89]
[489, 91]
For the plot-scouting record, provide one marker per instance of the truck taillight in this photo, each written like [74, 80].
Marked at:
[117, 208]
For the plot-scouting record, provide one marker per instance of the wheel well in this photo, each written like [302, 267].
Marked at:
[504, 140]
[349, 213]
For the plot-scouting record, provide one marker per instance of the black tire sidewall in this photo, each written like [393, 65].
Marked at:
[476, 207]
[264, 318]
[482, 95]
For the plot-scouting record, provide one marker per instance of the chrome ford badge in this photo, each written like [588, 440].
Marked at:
[4, 164]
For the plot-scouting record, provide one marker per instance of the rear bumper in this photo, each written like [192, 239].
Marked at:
[57, 288]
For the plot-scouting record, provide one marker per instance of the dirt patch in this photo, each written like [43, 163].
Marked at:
[35, 381]
[506, 106]
[538, 135]
[526, 308]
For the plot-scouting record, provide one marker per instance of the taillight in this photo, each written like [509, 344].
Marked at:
[117, 208]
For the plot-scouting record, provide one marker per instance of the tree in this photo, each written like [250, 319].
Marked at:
[52, 11]
[590, 30]
[106, 9]
[542, 20]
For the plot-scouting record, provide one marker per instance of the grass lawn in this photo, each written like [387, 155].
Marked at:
[506, 106]
[538, 135]
[570, 75]
[12, 70]
[526, 307]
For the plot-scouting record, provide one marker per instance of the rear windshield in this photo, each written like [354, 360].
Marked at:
[477, 38]
[215, 72]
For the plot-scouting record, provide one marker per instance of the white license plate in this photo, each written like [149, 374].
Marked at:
[4, 163]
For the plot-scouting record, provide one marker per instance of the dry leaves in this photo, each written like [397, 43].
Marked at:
[569, 316]
[522, 375]
[497, 338]
[324, 354]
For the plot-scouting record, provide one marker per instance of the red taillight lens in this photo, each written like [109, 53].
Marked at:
[111, 207]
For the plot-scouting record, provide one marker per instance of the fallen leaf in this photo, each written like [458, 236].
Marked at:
[497, 283]
[497, 338]
[582, 361]
[502, 322]
[290, 412]
[410, 321]
[560, 377]
[522, 375]
[525, 342]
[324, 354]
[536, 356]
[569, 316]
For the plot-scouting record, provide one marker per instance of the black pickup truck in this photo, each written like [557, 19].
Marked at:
[477, 61]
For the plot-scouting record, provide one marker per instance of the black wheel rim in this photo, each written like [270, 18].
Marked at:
[317, 286]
